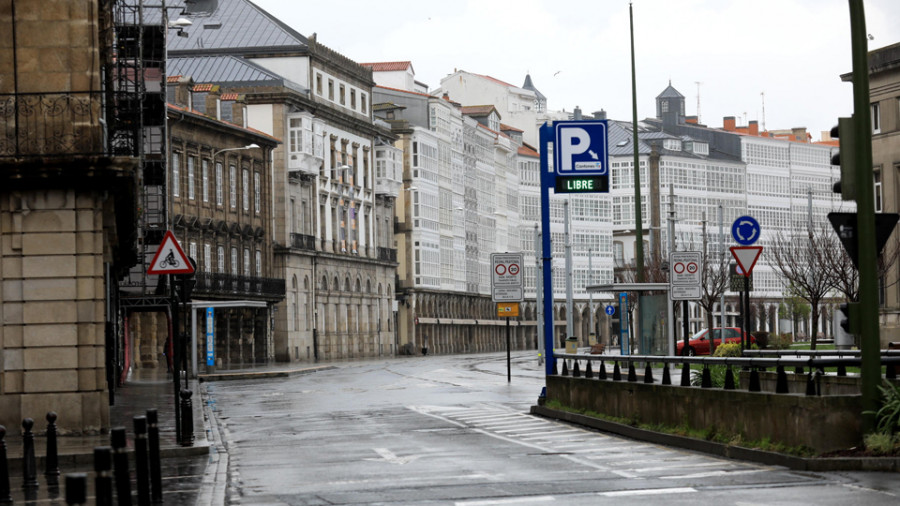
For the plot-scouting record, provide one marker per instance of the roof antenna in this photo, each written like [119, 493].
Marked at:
[763, 95]
[698, 83]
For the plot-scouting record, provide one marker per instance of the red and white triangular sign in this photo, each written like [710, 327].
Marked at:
[170, 258]
[746, 257]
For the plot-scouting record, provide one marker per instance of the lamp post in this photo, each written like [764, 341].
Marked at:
[248, 146]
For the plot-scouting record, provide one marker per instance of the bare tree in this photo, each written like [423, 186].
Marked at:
[801, 262]
[713, 282]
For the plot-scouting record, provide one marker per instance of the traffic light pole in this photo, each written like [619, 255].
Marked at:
[870, 342]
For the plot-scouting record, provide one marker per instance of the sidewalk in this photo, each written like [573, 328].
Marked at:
[144, 389]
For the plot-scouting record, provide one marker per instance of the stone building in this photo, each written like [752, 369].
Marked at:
[332, 211]
[67, 210]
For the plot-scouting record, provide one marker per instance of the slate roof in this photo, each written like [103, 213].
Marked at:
[235, 26]
[227, 71]
[530, 86]
[618, 134]
[388, 66]
[670, 92]
[478, 110]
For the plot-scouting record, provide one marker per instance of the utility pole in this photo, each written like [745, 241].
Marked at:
[638, 219]
[569, 294]
[539, 294]
[590, 295]
[870, 341]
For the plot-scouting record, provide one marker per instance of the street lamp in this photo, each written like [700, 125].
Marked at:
[248, 146]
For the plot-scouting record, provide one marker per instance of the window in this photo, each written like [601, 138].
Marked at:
[232, 186]
[878, 192]
[331, 89]
[192, 250]
[190, 176]
[257, 192]
[353, 99]
[245, 189]
[219, 184]
[246, 261]
[234, 262]
[295, 138]
[342, 101]
[258, 263]
[204, 180]
[220, 259]
[362, 105]
[176, 174]
[876, 118]
[207, 257]
[318, 83]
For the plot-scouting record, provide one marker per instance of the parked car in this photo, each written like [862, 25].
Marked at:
[699, 342]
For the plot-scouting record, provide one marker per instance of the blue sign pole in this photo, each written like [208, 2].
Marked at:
[210, 337]
[623, 324]
[548, 179]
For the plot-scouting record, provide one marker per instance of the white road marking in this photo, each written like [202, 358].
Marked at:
[389, 456]
[655, 491]
[511, 500]
[711, 474]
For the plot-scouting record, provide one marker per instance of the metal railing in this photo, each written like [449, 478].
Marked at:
[302, 241]
[51, 124]
[812, 366]
[243, 286]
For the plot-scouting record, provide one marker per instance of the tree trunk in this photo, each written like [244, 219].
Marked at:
[814, 325]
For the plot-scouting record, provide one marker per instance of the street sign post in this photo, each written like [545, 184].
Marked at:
[685, 272]
[507, 277]
[610, 310]
[170, 258]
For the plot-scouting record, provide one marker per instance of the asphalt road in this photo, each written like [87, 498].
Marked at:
[451, 430]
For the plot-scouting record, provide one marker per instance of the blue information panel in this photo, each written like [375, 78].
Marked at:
[745, 230]
[210, 337]
[623, 324]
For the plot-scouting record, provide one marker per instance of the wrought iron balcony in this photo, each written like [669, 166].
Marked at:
[387, 254]
[302, 241]
[229, 285]
[51, 124]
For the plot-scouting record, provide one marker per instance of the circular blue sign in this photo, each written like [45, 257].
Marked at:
[610, 310]
[745, 230]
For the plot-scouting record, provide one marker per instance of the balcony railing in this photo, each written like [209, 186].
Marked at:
[229, 285]
[302, 241]
[51, 124]
[387, 254]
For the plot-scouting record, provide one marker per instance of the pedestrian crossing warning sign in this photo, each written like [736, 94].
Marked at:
[170, 258]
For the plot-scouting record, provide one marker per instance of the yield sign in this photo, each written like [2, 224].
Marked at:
[170, 258]
[746, 257]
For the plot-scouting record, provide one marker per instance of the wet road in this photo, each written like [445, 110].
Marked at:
[451, 430]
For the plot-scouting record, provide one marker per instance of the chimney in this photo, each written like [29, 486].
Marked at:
[691, 120]
[446, 96]
[577, 113]
[238, 110]
[601, 114]
[728, 124]
[754, 128]
[183, 92]
[212, 103]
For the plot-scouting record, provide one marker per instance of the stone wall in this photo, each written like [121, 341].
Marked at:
[822, 423]
[53, 308]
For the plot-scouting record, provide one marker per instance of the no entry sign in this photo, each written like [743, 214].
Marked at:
[507, 279]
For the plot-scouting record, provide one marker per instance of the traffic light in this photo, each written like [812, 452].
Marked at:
[849, 318]
[846, 157]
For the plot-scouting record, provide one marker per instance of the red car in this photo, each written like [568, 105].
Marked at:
[699, 342]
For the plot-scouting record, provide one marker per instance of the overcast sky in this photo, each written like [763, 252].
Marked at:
[578, 51]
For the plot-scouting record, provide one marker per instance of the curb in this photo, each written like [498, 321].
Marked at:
[234, 376]
[723, 450]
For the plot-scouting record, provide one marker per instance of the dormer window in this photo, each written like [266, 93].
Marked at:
[672, 144]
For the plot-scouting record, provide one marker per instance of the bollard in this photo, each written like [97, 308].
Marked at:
[51, 464]
[155, 462]
[632, 376]
[601, 372]
[141, 470]
[120, 466]
[617, 373]
[588, 371]
[5, 496]
[76, 488]
[781, 385]
[576, 371]
[810, 384]
[103, 480]
[29, 468]
[705, 377]
[565, 369]
[667, 379]
[841, 370]
[187, 418]
[648, 374]
[685, 375]
[754, 381]
[555, 372]
[729, 379]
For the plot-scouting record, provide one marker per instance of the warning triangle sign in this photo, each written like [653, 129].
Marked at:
[170, 258]
[746, 257]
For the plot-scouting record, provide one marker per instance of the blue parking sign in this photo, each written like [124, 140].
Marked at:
[580, 148]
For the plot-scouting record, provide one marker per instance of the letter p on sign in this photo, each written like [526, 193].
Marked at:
[575, 141]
